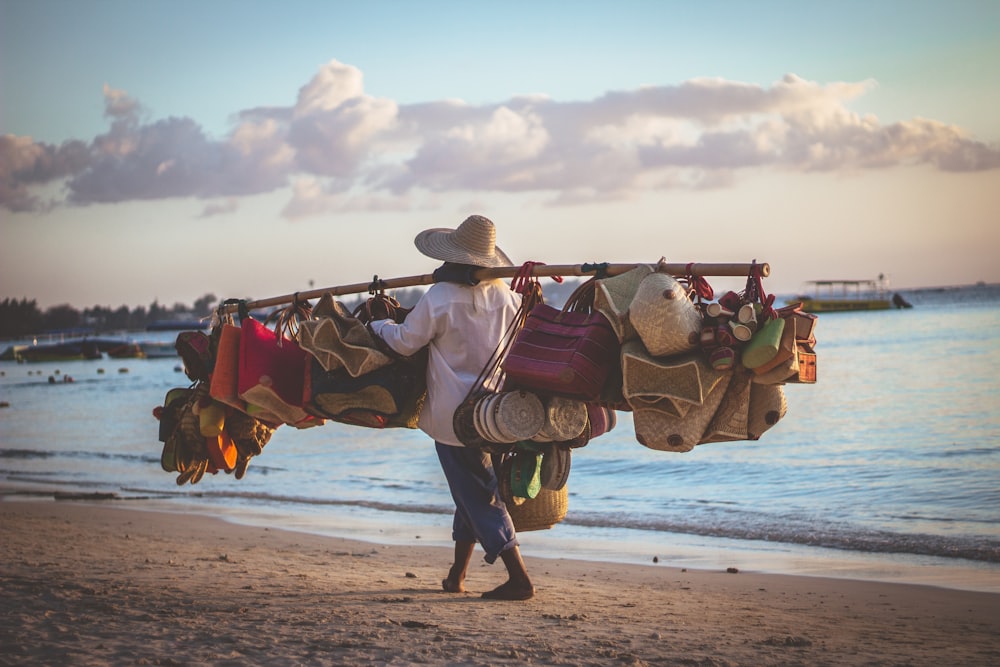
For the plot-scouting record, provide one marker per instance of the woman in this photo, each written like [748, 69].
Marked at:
[462, 321]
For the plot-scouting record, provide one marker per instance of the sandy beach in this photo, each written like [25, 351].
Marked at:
[91, 583]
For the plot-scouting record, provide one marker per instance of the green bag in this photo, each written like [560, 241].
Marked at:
[764, 345]
[526, 474]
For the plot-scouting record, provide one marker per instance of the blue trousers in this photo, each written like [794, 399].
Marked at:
[480, 514]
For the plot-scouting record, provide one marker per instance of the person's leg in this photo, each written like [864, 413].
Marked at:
[480, 512]
[518, 585]
[455, 581]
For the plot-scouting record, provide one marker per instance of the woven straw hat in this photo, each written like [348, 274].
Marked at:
[565, 419]
[664, 317]
[473, 243]
[519, 415]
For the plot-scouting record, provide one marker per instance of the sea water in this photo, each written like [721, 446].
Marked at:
[887, 468]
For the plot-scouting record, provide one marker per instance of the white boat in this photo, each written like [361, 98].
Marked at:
[830, 296]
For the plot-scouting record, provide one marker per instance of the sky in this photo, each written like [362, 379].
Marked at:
[164, 150]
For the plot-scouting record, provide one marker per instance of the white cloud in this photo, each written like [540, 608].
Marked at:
[340, 147]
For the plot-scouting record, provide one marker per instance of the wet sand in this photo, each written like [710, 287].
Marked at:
[92, 583]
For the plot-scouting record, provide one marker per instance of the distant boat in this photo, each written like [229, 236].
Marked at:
[178, 325]
[63, 351]
[831, 296]
[126, 350]
[157, 349]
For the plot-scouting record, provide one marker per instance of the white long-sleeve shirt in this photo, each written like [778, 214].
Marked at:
[462, 325]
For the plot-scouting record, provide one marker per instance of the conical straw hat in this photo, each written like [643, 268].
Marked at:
[664, 317]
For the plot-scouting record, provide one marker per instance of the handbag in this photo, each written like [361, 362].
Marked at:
[564, 352]
[470, 419]
[374, 393]
[339, 338]
[684, 379]
[224, 384]
[768, 406]
[272, 369]
[389, 396]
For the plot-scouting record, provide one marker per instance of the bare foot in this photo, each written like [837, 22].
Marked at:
[455, 581]
[510, 591]
[452, 586]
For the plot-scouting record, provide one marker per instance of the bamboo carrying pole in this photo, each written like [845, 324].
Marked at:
[540, 270]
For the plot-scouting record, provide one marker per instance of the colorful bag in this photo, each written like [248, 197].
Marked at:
[564, 352]
[224, 384]
[272, 373]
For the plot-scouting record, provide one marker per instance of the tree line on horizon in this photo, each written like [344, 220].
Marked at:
[20, 318]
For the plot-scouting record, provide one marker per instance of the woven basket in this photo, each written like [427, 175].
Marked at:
[685, 377]
[767, 406]
[614, 295]
[664, 317]
[662, 431]
[541, 512]
[731, 419]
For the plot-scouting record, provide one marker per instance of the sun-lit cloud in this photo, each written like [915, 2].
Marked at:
[338, 148]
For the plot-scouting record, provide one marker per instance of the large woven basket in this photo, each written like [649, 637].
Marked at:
[541, 512]
[662, 431]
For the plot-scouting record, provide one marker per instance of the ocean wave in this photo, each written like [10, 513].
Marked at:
[726, 525]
